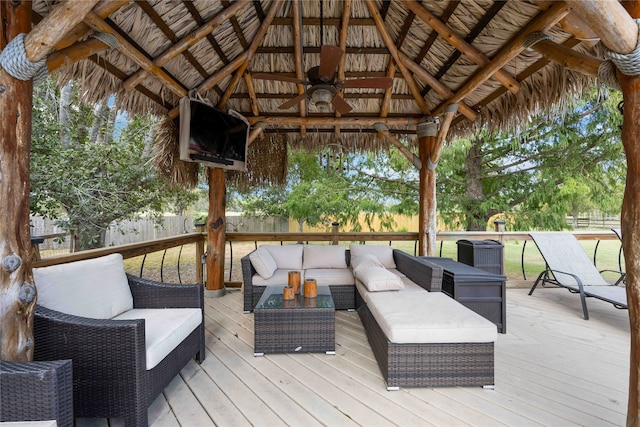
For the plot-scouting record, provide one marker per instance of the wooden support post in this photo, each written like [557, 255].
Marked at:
[17, 291]
[630, 224]
[335, 228]
[427, 206]
[216, 234]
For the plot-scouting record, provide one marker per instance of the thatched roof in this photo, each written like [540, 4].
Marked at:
[517, 80]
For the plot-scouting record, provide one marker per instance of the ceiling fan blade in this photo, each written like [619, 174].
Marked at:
[372, 83]
[278, 77]
[329, 60]
[341, 105]
[292, 102]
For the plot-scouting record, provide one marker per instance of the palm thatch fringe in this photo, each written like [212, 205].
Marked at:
[166, 157]
[267, 160]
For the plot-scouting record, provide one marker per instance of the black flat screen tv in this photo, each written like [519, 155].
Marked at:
[213, 137]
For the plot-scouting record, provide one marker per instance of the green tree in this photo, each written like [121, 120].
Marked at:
[321, 188]
[87, 171]
[558, 165]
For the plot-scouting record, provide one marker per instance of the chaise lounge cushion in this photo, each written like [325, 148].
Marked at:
[263, 262]
[383, 253]
[378, 279]
[428, 317]
[99, 288]
[164, 329]
[317, 256]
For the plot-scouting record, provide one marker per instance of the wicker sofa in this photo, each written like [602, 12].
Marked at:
[329, 271]
[122, 359]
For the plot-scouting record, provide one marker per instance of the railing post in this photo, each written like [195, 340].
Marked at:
[499, 224]
[200, 253]
[334, 231]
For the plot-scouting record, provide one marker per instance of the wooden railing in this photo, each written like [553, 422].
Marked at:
[198, 238]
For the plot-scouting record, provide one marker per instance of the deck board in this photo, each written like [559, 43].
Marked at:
[552, 368]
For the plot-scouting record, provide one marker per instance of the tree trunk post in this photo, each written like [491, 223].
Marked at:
[427, 206]
[216, 234]
[630, 224]
[17, 289]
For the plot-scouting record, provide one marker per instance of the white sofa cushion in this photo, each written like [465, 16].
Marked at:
[317, 256]
[409, 286]
[96, 288]
[383, 253]
[164, 329]
[378, 279]
[365, 260]
[263, 262]
[288, 257]
[330, 276]
[280, 277]
[428, 317]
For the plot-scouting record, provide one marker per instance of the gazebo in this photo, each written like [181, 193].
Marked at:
[353, 74]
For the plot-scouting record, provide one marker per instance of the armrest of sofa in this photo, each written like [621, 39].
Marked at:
[152, 294]
[247, 276]
[424, 273]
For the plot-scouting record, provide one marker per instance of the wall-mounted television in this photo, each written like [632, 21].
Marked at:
[211, 136]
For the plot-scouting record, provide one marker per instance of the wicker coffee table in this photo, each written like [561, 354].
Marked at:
[305, 325]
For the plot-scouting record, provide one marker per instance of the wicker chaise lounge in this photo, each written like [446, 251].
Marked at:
[113, 372]
[568, 266]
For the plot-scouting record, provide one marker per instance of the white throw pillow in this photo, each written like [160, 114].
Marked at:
[383, 253]
[316, 256]
[263, 262]
[97, 288]
[378, 279]
[288, 257]
[366, 260]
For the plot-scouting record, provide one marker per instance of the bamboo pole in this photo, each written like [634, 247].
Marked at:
[388, 41]
[216, 229]
[459, 43]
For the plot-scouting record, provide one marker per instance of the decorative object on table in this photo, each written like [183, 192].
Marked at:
[288, 293]
[310, 288]
[294, 281]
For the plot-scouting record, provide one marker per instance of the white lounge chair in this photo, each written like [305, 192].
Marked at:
[568, 266]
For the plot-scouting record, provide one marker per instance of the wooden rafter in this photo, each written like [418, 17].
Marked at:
[183, 44]
[212, 40]
[451, 7]
[569, 58]
[297, 56]
[99, 24]
[573, 24]
[540, 23]
[342, 40]
[396, 56]
[257, 39]
[391, 68]
[459, 43]
[252, 94]
[236, 27]
[333, 121]
[475, 32]
[74, 53]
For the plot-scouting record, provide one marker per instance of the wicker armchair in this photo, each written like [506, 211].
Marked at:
[36, 391]
[110, 378]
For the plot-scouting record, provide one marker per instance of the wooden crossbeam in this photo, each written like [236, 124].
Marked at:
[459, 43]
[541, 23]
[333, 121]
[388, 41]
[257, 39]
[183, 44]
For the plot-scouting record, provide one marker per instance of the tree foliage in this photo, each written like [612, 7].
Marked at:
[559, 164]
[87, 170]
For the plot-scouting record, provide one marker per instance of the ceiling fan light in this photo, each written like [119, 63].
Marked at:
[322, 98]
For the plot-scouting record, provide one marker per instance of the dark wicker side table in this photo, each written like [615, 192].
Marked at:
[36, 391]
[305, 325]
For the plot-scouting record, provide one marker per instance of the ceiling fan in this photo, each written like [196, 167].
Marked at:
[324, 88]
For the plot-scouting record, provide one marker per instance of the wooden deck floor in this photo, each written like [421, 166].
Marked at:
[552, 368]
